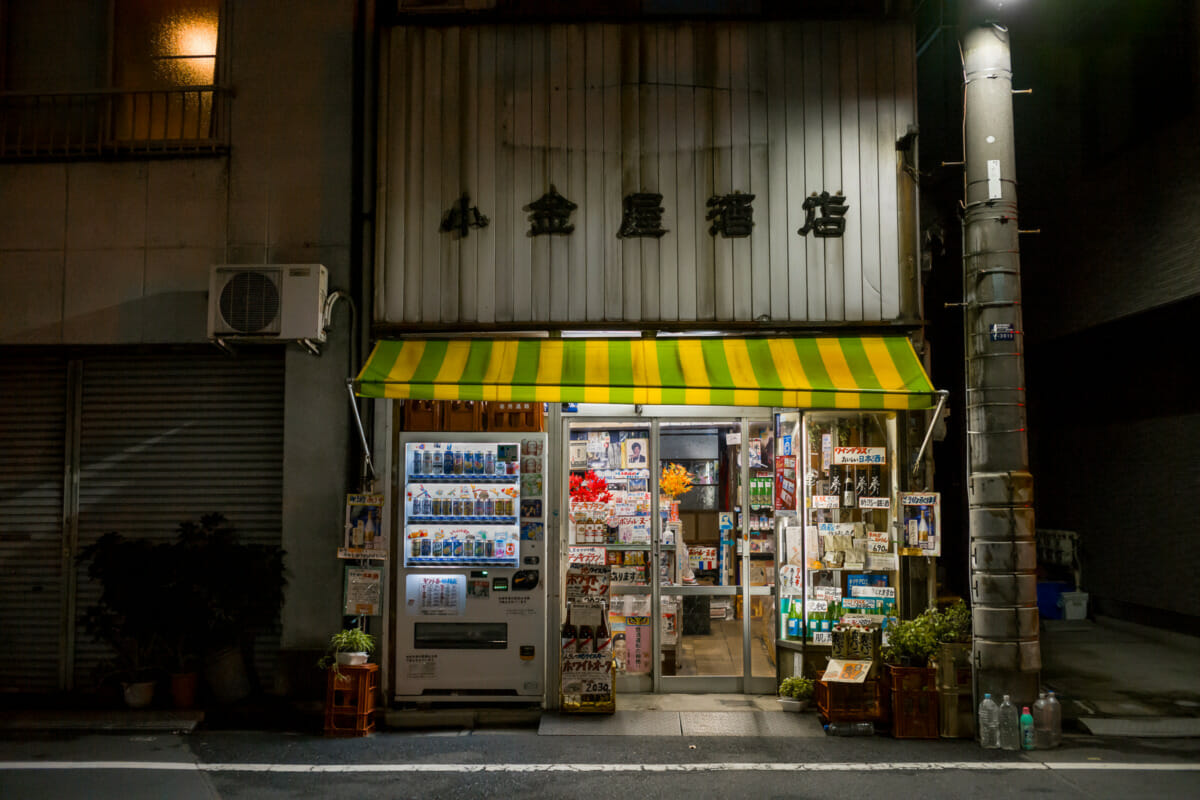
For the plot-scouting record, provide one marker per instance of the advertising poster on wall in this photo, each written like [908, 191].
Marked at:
[363, 535]
[922, 524]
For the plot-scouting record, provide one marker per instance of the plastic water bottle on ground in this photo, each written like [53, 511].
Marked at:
[1026, 729]
[1041, 722]
[989, 723]
[1054, 709]
[850, 729]
[1010, 726]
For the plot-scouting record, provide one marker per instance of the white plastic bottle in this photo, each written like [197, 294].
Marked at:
[989, 723]
[1041, 722]
[1010, 725]
[1054, 709]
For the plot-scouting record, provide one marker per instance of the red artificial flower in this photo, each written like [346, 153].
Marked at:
[589, 488]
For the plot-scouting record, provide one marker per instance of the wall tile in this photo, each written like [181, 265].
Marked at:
[103, 296]
[34, 200]
[106, 205]
[33, 297]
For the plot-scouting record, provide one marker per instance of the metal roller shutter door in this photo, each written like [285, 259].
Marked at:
[168, 438]
[33, 396]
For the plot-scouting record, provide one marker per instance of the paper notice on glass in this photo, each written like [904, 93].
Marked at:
[884, 562]
[794, 542]
[879, 541]
[873, 591]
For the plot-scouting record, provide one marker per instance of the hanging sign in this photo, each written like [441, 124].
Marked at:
[637, 643]
[363, 591]
[859, 455]
[363, 536]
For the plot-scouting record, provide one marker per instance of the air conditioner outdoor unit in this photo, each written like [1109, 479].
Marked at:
[272, 302]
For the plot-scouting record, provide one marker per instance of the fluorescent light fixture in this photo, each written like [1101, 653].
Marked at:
[602, 334]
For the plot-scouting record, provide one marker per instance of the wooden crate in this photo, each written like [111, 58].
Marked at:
[914, 702]
[503, 417]
[462, 415]
[350, 700]
[422, 415]
[853, 702]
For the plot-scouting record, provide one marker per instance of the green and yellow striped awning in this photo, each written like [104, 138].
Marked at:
[870, 372]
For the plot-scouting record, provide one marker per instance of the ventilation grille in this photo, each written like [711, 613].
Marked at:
[250, 302]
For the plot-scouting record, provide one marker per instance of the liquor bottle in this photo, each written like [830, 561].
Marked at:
[587, 639]
[923, 528]
[603, 637]
[848, 499]
[795, 623]
[570, 637]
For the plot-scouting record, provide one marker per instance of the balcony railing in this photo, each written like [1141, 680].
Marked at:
[190, 120]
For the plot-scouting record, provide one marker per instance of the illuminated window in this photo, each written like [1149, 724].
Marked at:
[165, 55]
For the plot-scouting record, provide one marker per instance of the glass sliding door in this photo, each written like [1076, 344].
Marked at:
[678, 510]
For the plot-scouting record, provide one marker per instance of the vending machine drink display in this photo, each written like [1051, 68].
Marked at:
[471, 596]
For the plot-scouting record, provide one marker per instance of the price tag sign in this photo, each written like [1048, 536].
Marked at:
[823, 637]
[587, 673]
[887, 592]
[826, 501]
[874, 502]
[587, 555]
[816, 606]
[843, 671]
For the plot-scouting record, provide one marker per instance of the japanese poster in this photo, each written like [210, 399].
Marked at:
[785, 483]
[922, 524]
[363, 535]
[363, 591]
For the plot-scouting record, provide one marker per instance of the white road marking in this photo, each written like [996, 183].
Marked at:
[895, 766]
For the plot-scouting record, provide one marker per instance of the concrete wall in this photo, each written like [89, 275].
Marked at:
[118, 253]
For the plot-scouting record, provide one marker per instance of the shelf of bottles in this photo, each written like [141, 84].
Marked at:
[461, 504]
[850, 554]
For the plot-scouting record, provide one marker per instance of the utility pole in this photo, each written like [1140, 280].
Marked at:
[1006, 653]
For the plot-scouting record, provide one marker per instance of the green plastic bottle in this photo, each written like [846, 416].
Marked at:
[1027, 731]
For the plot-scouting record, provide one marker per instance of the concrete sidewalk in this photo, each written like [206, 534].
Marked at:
[1119, 679]
[1114, 680]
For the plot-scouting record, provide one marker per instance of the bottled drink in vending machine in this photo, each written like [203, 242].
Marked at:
[415, 469]
[489, 463]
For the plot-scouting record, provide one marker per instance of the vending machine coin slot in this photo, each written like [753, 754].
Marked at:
[499, 584]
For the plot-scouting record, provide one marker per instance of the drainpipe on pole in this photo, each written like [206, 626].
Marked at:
[1006, 651]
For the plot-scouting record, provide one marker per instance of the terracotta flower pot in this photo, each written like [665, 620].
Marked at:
[183, 689]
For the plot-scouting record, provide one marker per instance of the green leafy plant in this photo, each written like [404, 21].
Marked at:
[350, 640]
[954, 624]
[913, 642]
[796, 688]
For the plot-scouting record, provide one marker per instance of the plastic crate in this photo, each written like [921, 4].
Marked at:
[350, 700]
[853, 702]
[422, 415]
[462, 415]
[914, 702]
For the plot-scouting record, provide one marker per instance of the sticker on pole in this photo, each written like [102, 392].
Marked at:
[1002, 332]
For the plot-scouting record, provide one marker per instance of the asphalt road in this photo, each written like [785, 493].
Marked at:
[521, 764]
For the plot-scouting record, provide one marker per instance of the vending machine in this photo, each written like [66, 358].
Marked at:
[471, 594]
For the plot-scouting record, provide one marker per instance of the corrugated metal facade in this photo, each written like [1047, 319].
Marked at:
[32, 449]
[165, 440]
[161, 439]
[779, 110]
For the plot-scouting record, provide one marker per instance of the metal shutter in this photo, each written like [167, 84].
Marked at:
[168, 438]
[33, 396]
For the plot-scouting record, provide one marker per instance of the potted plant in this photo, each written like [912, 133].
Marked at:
[795, 693]
[131, 612]
[239, 586]
[912, 644]
[349, 647]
